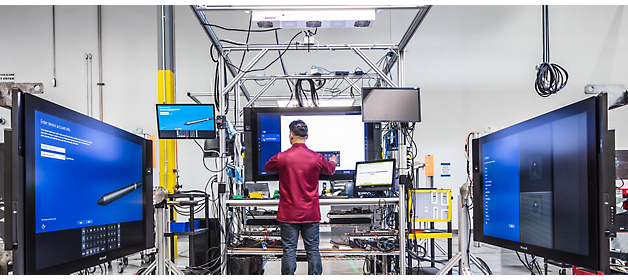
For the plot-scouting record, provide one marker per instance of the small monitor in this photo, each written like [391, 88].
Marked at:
[186, 121]
[375, 175]
[391, 105]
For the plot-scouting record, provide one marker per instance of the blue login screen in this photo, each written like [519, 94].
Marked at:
[500, 168]
[81, 174]
[186, 117]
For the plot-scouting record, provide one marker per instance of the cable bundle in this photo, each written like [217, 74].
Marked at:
[550, 77]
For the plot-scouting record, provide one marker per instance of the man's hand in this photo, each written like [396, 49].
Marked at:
[334, 159]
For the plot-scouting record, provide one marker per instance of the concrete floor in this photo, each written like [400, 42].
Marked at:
[500, 261]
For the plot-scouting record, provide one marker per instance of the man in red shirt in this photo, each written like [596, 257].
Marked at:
[299, 211]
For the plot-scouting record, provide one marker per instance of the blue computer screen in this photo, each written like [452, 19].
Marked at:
[186, 121]
[75, 167]
[535, 177]
[500, 168]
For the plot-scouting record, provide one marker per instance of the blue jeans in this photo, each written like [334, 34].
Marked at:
[290, 239]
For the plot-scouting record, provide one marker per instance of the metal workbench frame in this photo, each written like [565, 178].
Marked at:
[397, 54]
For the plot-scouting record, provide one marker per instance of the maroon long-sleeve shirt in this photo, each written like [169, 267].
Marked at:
[298, 169]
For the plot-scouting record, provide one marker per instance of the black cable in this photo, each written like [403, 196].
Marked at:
[283, 66]
[550, 77]
[524, 263]
[248, 33]
[271, 63]
[203, 150]
[485, 265]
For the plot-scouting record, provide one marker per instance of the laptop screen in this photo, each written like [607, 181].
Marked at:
[375, 173]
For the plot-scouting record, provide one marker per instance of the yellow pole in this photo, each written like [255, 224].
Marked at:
[166, 95]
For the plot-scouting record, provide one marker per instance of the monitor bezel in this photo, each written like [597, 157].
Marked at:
[375, 187]
[367, 90]
[212, 133]
[27, 262]
[596, 186]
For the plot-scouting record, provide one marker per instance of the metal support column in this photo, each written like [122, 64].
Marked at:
[462, 257]
[161, 242]
[166, 95]
[244, 70]
[403, 166]
[223, 173]
[200, 16]
[463, 237]
[405, 40]
[259, 93]
[371, 64]
[353, 85]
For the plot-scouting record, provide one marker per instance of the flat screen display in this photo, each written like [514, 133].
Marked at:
[332, 131]
[186, 121]
[86, 190]
[536, 186]
[375, 173]
[391, 105]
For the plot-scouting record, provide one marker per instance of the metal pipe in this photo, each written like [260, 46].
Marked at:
[405, 40]
[333, 47]
[402, 161]
[353, 84]
[287, 77]
[368, 61]
[299, 7]
[200, 16]
[329, 201]
[401, 66]
[161, 249]
[259, 93]
[100, 83]
[163, 84]
[236, 116]
[91, 86]
[193, 95]
[54, 50]
[403, 166]
[244, 70]
[87, 84]
[223, 173]
[194, 98]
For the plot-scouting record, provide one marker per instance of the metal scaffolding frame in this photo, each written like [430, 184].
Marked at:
[240, 76]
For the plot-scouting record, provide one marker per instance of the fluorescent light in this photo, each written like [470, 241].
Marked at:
[323, 103]
[315, 18]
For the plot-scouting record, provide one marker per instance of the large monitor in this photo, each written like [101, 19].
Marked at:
[543, 186]
[84, 189]
[186, 121]
[377, 175]
[391, 104]
[332, 131]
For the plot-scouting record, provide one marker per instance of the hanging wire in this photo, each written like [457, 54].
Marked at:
[550, 77]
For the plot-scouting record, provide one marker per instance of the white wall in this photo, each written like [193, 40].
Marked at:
[474, 65]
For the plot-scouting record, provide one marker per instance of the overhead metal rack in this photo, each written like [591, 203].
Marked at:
[397, 54]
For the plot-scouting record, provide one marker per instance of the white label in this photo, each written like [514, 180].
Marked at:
[445, 169]
[7, 78]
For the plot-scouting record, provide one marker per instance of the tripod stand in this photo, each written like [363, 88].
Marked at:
[463, 256]
[161, 262]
